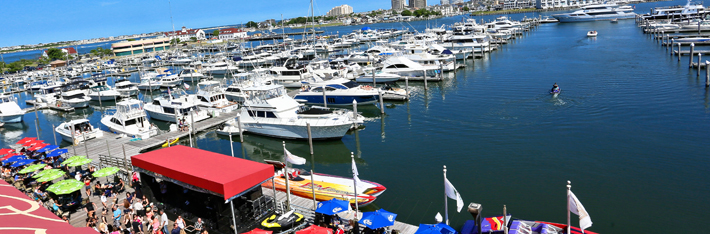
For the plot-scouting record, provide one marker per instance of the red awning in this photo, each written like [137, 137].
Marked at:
[215, 172]
[23, 215]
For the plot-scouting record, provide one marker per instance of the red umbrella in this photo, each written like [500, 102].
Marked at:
[313, 229]
[8, 156]
[33, 142]
[258, 231]
[25, 140]
[6, 151]
[38, 146]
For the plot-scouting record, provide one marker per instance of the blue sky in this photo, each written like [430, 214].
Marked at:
[32, 22]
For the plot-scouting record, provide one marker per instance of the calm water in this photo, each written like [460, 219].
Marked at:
[629, 130]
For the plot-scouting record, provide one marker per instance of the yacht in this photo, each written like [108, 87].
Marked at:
[126, 88]
[75, 94]
[48, 94]
[271, 112]
[212, 98]
[130, 119]
[690, 10]
[103, 93]
[380, 77]
[338, 94]
[149, 83]
[220, 68]
[191, 75]
[290, 75]
[78, 130]
[403, 66]
[163, 108]
[10, 111]
[596, 12]
[479, 42]
[169, 80]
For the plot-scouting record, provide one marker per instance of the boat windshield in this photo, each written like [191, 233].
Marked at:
[99, 88]
[265, 94]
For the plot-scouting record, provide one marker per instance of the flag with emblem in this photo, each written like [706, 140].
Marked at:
[453, 194]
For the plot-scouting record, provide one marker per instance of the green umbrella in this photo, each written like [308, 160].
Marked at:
[31, 168]
[51, 176]
[72, 159]
[79, 162]
[106, 171]
[45, 172]
[65, 186]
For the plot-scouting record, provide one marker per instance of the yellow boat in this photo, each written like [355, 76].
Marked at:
[169, 143]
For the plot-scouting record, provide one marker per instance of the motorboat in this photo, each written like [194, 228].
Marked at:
[403, 66]
[614, 21]
[75, 94]
[596, 12]
[290, 75]
[555, 92]
[592, 33]
[191, 75]
[689, 10]
[269, 111]
[149, 83]
[697, 24]
[48, 94]
[78, 130]
[692, 39]
[220, 68]
[130, 119]
[169, 80]
[103, 93]
[164, 107]
[10, 111]
[379, 77]
[211, 97]
[126, 88]
[326, 186]
[479, 42]
[498, 224]
[338, 94]
[548, 19]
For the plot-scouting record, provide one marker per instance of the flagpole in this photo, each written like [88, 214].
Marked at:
[569, 186]
[288, 188]
[446, 200]
[352, 156]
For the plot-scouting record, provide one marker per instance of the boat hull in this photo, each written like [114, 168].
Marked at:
[323, 191]
[567, 18]
[171, 117]
[340, 100]
[296, 131]
[12, 118]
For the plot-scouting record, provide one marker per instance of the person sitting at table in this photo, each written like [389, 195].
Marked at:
[119, 185]
[40, 194]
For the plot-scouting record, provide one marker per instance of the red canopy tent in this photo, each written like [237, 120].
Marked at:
[222, 174]
[314, 229]
[258, 231]
[22, 215]
[25, 140]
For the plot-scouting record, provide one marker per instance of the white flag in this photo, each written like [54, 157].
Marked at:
[577, 208]
[293, 159]
[186, 85]
[355, 174]
[453, 194]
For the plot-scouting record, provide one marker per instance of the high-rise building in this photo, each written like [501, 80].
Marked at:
[445, 2]
[397, 4]
[340, 10]
[419, 4]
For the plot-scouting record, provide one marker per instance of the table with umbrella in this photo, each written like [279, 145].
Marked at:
[6, 151]
[22, 162]
[47, 148]
[32, 168]
[314, 229]
[72, 159]
[53, 175]
[378, 219]
[330, 208]
[46, 172]
[25, 140]
[65, 187]
[258, 231]
[439, 228]
[57, 153]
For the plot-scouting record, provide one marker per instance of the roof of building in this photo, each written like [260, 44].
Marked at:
[182, 32]
[215, 172]
[230, 31]
[69, 50]
[24, 215]
[140, 42]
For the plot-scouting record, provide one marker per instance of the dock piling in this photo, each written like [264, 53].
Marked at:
[679, 52]
[382, 104]
[424, 76]
[325, 101]
[239, 127]
[692, 48]
[699, 61]
[55, 136]
[354, 114]
[406, 86]
[707, 74]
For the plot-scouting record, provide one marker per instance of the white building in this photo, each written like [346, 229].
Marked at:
[340, 10]
[231, 33]
[547, 4]
[518, 4]
[185, 34]
[398, 4]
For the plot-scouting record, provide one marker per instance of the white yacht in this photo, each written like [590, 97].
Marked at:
[10, 111]
[479, 42]
[149, 83]
[78, 130]
[211, 97]
[290, 75]
[191, 75]
[270, 111]
[103, 93]
[380, 77]
[403, 66]
[130, 119]
[164, 107]
[690, 10]
[596, 12]
[126, 88]
[75, 94]
[220, 68]
[48, 94]
[338, 94]
[169, 80]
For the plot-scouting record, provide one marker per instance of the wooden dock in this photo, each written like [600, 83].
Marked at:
[40, 106]
[695, 52]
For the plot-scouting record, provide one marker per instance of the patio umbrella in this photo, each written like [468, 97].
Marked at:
[22, 162]
[72, 159]
[14, 159]
[79, 162]
[32, 168]
[314, 229]
[332, 206]
[38, 147]
[377, 219]
[48, 148]
[9, 156]
[106, 172]
[25, 140]
[65, 186]
[46, 172]
[258, 231]
[31, 143]
[6, 151]
[51, 176]
[446, 229]
[57, 153]
[428, 229]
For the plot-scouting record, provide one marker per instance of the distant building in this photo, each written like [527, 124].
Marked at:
[68, 50]
[231, 33]
[185, 34]
[340, 10]
[517, 4]
[418, 4]
[547, 4]
[398, 4]
[140, 46]
[445, 2]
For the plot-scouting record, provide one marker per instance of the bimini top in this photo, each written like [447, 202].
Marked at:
[218, 173]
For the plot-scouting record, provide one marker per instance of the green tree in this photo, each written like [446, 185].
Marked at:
[130, 39]
[465, 8]
[175, 41]
[193, 39]
[54, 54]
[215, 33]
[406, 13]
[252, 24]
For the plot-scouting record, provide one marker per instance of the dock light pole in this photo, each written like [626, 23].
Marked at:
[569, 186]
[325, 100]
[446, 200]
[231, 145]
[354, 113]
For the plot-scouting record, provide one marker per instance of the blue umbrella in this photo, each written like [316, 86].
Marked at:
[15, 159]
[428, 229]
[378, 219]
[446, 229]
[48, 148]
[22, 162]
[57, 153]
[333, 206]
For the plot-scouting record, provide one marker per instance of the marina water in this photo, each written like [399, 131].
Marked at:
[630, 130]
